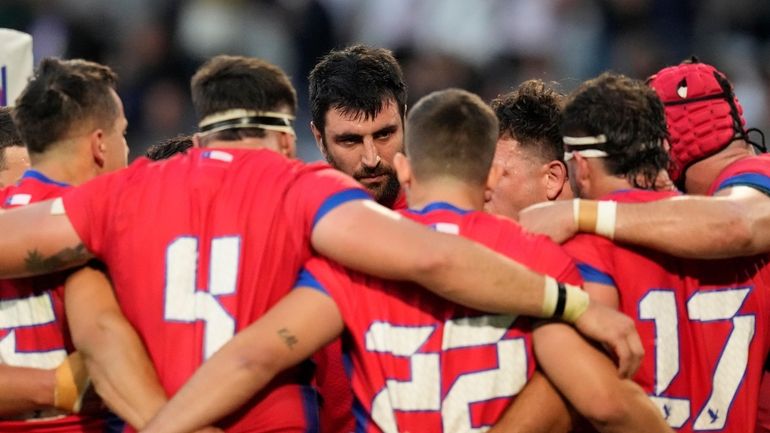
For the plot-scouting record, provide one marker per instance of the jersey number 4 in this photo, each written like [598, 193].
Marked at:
[185, 303]
[703, 307]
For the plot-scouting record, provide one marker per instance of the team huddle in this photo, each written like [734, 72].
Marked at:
[596, 261]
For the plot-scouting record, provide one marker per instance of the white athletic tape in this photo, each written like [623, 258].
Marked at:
[57, 207]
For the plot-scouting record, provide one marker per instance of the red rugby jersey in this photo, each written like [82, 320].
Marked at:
[703, 325]
[33, 326]
[200, 246]
[421, 363]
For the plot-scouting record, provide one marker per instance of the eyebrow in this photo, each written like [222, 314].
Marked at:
[358, 137]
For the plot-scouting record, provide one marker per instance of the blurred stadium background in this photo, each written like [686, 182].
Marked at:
[487, 46]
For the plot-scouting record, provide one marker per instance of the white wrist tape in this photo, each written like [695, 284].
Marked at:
[595, 216]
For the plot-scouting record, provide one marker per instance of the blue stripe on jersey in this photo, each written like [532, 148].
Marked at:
[310, 407]
[593, 275]
[440, 205]
[361, 416]
[337, 199]
[34, 174]
[306, 279]
[754, 180]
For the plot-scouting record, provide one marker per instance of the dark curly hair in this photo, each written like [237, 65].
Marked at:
[630, 115]
[169, 147]
[356, 80]
[531, 115]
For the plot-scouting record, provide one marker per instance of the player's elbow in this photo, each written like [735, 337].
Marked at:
[256, 363]
[608, 407]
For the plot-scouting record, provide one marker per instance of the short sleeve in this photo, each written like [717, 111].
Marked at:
[594, 258]
[753, 172]
[327, 277]
[319, 189]
[89, 208]
[539, 253]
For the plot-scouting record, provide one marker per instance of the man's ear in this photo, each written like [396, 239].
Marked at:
[403, 169]
[196, 141]
[97, 146]
[319, 140]
[287, 145]
[555, 179]
[583, 172]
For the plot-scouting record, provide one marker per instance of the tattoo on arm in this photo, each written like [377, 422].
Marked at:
[68, 257]
[288, 339]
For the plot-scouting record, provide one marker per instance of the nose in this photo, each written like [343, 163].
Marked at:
[370, 158]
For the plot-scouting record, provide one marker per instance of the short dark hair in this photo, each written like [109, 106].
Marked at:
[531, 115]
[237, 82]
[357, 80]
[169, 147]
[452, 133]
[9, 135]
[632, 118]
[62, 96]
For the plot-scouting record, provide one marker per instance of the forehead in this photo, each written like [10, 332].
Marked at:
[339, 122]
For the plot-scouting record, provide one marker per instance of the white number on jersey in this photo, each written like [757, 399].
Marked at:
[423, 391]
[27, 312]
[702, 307]
[184, 303]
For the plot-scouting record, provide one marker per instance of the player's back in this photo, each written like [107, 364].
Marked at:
[201, 245]
[421, 363]
[703, 325]
[33, 327]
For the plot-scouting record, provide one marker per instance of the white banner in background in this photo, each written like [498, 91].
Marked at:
[15, 64]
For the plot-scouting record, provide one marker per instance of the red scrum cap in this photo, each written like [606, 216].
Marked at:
[702, 113]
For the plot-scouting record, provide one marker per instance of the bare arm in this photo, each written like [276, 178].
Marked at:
[734, 223]
[538, 408]
[25, 389]
[586, 377]
[371, 239]
[36, 242]
[295, 328]
[116, 360]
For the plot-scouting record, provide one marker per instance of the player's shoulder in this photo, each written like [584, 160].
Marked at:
[752, 171]
[31, 188]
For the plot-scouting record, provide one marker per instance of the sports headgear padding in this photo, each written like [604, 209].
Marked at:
[702, 113]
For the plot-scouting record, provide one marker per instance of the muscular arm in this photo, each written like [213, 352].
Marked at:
[538, 408]
[586, 377]
[295, 328]
[35, 242]
[119, 367]
[25, 389]
[734, 223]
[371, 239]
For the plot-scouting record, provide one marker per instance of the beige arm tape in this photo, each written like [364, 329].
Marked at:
[71, 383]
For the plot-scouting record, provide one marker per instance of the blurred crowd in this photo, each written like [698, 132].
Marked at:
[486, 46]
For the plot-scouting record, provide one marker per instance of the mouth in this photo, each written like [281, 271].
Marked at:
[372, 179]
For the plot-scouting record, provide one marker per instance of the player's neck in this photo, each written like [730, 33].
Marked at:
[452, 191]
[64, 166]
[603, 185]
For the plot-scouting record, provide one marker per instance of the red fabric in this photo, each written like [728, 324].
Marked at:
[44, 341]
[200, 246]
[451, 378]
[699, 128]
[692, 316]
